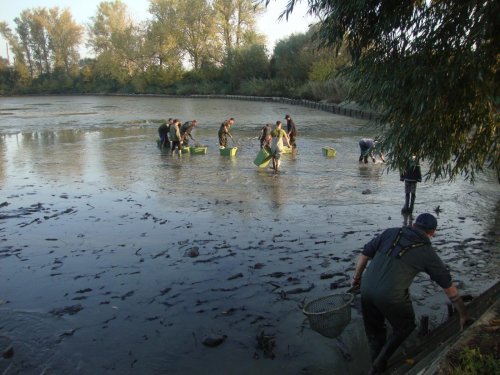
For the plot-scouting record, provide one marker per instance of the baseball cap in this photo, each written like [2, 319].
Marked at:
[426, 221]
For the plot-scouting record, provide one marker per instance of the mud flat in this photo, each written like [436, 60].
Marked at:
[116, 258]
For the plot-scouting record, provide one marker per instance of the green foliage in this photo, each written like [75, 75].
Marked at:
[431, 69]
[9, 78]
[472, 362]
[269, 87]
[322, 69]
[227, 54]
[246, 63]
[293, 57]
[334, 90]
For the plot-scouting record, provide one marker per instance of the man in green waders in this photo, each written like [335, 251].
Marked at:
[397, 255]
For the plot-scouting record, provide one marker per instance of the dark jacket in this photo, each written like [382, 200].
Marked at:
[399, 254]
[291, 129]
[163, 130]
[412, 172]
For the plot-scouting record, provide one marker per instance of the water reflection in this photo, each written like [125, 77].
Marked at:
[370, 171]
[273, 186]
[407, 220]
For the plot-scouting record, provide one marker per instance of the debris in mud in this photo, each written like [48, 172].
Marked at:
[3, 204]
[345, 234]
[126, 295]
[193, 252]
[342, 348]
[300, 290]
[236, 276]
[257, 266]
[213, 341]
[8, 353]
[266, 343]
[277, 275]
[66, 334]
[367, 191]
[339, 284]
[67, 211]
[71, 310]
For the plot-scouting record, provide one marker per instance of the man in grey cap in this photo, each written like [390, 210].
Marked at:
[397, 255]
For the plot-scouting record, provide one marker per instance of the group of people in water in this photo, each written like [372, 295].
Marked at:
[273, 138]
[173, 135]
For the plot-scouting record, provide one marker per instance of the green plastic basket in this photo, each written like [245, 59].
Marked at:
[329, 315]
[200, 150]
[228, 151]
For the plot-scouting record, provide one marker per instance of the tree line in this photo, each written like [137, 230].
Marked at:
[184, 47]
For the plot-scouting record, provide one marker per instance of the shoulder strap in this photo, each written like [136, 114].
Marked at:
[403, 250]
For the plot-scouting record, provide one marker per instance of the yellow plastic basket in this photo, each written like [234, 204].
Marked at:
[329, 151]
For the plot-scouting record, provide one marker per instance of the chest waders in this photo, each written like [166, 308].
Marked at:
[402, 251]
[401, 317]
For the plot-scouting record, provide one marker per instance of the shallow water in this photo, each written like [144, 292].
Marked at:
[95, 217]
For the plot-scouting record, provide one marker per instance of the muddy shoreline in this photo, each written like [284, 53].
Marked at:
[118, 259]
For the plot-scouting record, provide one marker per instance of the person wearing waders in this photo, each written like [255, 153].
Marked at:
[396, 256]
[278, 135]
[366, 147]
[265, 136]
[163, 131]
[411, 175]
[186, 130]
[175, 137]
[224, 132]
[291, 130]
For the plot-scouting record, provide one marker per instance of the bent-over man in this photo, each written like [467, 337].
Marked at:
[397, 255]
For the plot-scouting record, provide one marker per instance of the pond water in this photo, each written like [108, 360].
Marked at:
[116, 257]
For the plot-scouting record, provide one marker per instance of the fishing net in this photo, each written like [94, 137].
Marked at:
[329, 315]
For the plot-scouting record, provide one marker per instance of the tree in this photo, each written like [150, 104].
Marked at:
[8, 77]
[20, 65]
[198, 30]
[65, 36]
[250, 62]
[46, 40]
[431, 69]
[294, 57]
[162, 35]
[116, 41]
[234, 19]
[185, 28]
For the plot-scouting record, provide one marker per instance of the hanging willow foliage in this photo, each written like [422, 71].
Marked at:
[431, 69]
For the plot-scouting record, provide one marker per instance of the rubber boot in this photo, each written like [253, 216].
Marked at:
[406, 209]
[379, 365]
[410, 210]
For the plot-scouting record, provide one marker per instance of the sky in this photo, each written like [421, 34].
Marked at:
[83, 10]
